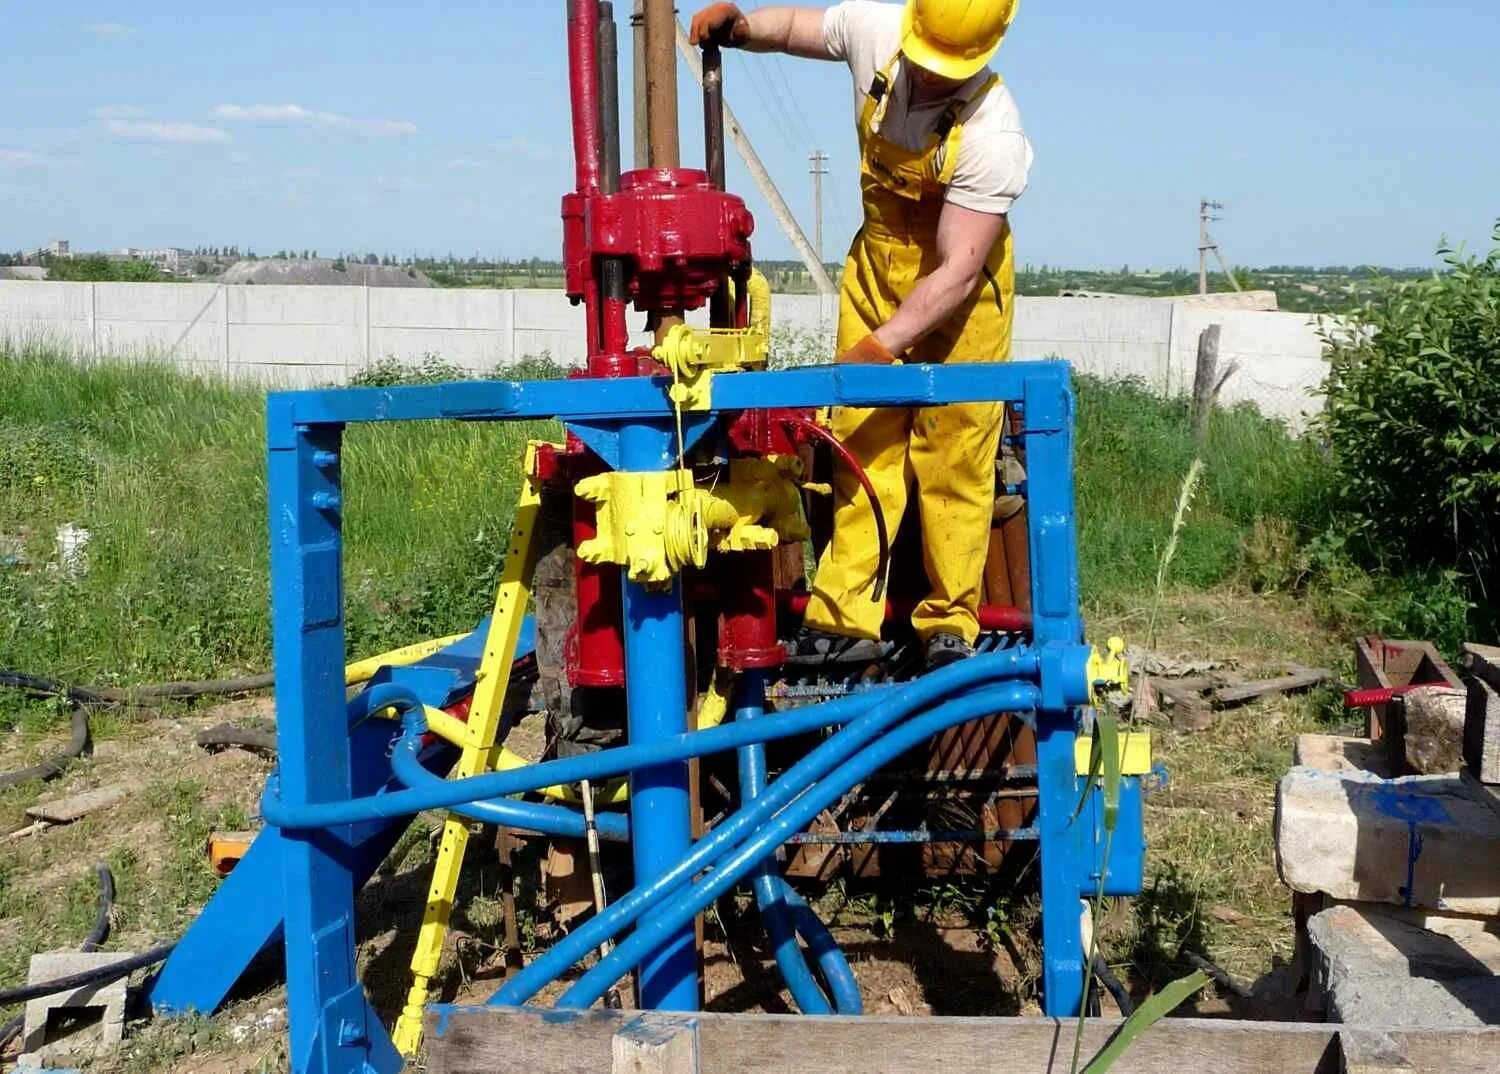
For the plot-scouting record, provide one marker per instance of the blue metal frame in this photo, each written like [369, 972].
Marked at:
[628, 422]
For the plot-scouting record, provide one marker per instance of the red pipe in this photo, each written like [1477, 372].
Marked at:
[993, 618]
[583, 86]
[1382, 695]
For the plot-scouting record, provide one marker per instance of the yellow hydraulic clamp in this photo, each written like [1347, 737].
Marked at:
[695, 355]
[656, 524]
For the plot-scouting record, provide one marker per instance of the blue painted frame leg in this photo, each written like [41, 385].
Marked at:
[333, 1028]
[1048, 418]
[656, 704]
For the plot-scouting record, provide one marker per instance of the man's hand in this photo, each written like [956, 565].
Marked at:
[720, 24]
[868, 351]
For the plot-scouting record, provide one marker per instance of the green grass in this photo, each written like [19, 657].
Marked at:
[1134, 449]
[167, 473]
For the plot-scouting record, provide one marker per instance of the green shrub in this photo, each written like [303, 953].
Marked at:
[1413, 422]
[98, 269]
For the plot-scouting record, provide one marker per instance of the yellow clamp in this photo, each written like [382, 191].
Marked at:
[655, 524]
[1135, 753]
[1109, 672]
[694, 355]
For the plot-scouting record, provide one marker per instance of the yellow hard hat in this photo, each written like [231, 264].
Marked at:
[955, 38]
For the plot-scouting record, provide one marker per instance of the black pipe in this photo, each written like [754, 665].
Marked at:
[97, 935]
[719, 313]
[53, 767]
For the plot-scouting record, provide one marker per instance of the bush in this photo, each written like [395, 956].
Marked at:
[103, 270]
[1413, 423]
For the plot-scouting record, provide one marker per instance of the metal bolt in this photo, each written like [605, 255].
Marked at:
[324, 459]
[351, 1032]
[327, 501]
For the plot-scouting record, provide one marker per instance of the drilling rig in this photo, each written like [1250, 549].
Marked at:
[680, 501]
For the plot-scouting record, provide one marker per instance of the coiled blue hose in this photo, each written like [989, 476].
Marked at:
[779, 904]
[892, 706]
[407, 766]
[725, 871]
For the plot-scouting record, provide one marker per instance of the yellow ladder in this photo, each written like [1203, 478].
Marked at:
[479, 750]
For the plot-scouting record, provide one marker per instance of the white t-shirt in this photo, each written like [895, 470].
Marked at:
[994, 155]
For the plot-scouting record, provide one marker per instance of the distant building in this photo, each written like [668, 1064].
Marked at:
[169, 259]
[60, 248]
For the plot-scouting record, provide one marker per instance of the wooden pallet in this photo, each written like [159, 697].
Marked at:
[471, 1040]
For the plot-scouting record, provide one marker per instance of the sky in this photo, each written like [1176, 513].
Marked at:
[1334, 131]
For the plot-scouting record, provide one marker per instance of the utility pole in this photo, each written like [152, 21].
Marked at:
[1206, 242]
[762, 178]
[819, 161]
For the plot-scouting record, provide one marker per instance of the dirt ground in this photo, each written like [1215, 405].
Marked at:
[951, 949]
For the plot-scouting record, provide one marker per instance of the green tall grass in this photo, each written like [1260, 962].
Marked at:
[167, 473]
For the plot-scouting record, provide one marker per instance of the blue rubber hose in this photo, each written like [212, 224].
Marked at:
[776, 898]
[407, 766]
[894, 705]
[670, 915]
[1012, 663]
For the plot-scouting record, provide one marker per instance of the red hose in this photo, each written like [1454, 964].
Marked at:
[882, 535]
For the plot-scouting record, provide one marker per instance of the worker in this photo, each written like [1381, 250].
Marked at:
[930, 278]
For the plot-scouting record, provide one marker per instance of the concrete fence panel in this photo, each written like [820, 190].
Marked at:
[318, 335]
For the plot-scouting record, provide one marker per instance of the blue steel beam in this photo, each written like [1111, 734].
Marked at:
[333, 1028]
[1056, 625]
[656, 709]
[645, 398]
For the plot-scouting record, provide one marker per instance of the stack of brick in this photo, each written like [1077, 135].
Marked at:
[1397, 877]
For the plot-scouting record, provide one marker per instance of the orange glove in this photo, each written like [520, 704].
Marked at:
[868, 351]
[720, 24]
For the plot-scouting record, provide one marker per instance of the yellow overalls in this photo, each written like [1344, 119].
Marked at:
[948, 451]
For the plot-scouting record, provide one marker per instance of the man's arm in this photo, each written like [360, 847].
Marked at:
[964, 241]
[796, 31]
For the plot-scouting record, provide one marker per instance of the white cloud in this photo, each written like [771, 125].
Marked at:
[108, 29]
[464, 162]
[307, 117]
[181, 133]
[117, 111]
[23, 158]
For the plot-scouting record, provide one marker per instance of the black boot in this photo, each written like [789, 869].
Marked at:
[810, 647]
[945, 649]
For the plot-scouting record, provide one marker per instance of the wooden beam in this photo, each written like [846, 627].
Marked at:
[656, 1043]
[471, 1040]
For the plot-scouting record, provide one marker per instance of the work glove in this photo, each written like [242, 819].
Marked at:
[868, 351]
[720, 24]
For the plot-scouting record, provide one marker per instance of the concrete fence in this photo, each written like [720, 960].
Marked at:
[300, 336]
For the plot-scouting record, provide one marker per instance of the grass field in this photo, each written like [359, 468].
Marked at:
[166, 474]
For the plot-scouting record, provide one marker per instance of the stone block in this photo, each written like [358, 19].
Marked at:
[1388, 968]
[1482, 720]
[78, 1024]
[1416, 841]
[1340, 753]
[1435, 730]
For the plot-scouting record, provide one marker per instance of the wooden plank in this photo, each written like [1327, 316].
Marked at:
[1369, 1051]
[1244, 692]
[656, 1043]
[470, 1040]
[75, 807]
